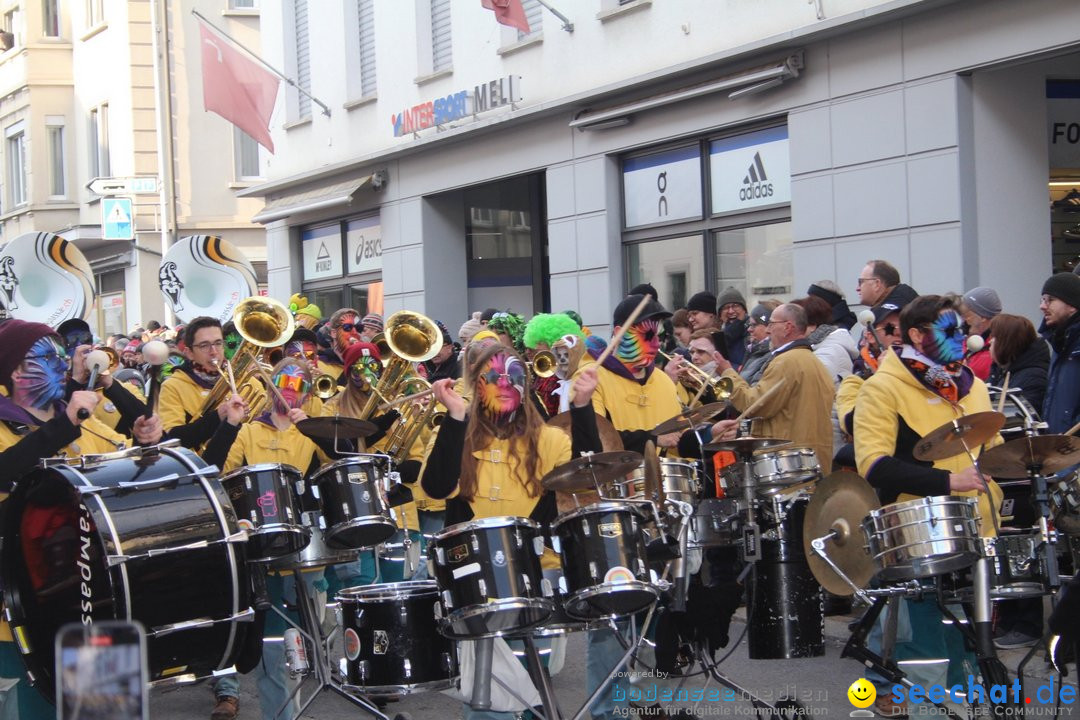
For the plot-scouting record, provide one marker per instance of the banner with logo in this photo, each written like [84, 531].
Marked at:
[1063, 117]
[750, 171]
[662, 187]
[322, 252]
[363, 238]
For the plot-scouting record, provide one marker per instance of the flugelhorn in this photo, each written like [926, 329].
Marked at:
[542, 364]
[325, 386]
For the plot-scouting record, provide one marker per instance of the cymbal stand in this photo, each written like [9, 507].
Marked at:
[318, 648]
[631, 648]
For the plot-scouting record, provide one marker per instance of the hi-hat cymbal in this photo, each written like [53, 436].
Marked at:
[688, 418]
[609, 436]
[336, 426]
[949, 439]
[838, 505]
[744, 447]
[654, 483]
[1044, 454]
[585, 472]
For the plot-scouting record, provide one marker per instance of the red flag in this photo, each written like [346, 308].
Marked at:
[508, 12]
[237, 88]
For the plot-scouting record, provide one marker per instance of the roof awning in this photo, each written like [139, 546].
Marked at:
[328, 196]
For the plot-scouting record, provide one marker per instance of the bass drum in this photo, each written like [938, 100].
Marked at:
[150, 538]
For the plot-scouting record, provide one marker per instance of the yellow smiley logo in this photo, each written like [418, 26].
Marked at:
[862, 693]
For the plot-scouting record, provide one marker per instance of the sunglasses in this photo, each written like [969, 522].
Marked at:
[516, 376]
[291, 382]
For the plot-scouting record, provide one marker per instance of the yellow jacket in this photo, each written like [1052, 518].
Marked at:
[258, 442]
[633, 406]
[180, 400]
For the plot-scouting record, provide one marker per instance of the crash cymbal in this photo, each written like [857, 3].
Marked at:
[609, 436]
[949, 439]
[654, 484]
[688, 418]
[336, 426]
[839, 504]
[1045, 454]
[585, 472]
[744, 447]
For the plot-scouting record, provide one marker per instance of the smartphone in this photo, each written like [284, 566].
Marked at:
[101, 672]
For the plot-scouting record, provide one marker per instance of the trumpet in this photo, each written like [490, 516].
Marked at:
[542, 364]
[722, 387]
[325, 386]
[114, 359]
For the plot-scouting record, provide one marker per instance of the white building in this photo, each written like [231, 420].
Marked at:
[462, 164]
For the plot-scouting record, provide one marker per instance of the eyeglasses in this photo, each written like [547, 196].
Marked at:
[205, 346]
[860, 281]
[889, 328]
[775, 322]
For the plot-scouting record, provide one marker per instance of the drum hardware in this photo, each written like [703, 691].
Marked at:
[114, 560]
[136, 451]
[153, 484]
[247, 615]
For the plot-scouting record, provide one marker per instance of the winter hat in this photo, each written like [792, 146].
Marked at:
[356, 351]
[731, 295]
[761, 314]
[652, 310]
[469, 328]
[446, 338]
[374, 320]
[983, 301]
[645, 289]
[16, 339]
[312, 310]
[1063, 285]
[703, 302]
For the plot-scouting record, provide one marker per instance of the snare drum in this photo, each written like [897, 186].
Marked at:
[264, 497]
[353, 502]
[392, 643]
[679, 478]
[151, 538]
[605, 570]
[923, 537]
[489, 575]
[775, 470]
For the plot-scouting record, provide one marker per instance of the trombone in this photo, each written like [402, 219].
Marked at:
[722, 387]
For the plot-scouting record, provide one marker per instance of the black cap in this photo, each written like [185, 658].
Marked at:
[645, 289]
[652, 310]
[702, 302]
[488, 314]
[75, 332]
[894, 302]
[303, 334]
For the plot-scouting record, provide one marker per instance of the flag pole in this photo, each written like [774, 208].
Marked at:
[268, 66]
[566, 24]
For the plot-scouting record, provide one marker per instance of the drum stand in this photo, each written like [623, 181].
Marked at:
[318, 648]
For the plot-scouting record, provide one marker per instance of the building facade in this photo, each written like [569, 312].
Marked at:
[460, 164]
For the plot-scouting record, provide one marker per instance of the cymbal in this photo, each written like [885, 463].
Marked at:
[839, 504]
[609, 437]
[585, 472]
[336, 426]
[949, 439]
[654, 484]
[745, 446]
[1047, 454]
[688, 418]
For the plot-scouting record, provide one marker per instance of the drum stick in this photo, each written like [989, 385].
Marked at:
[758, 403]
[232, 378]
[1073, 429]
[618, 336]
[404, 399]
[1004, 393]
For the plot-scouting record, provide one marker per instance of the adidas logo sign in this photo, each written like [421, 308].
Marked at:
[755, 185]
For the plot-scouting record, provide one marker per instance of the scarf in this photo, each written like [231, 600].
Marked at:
[951, 382]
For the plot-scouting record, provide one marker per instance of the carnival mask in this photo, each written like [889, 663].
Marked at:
[638, 346]
[500, 386]
[39, 381]
[943, 340]
[293, 386]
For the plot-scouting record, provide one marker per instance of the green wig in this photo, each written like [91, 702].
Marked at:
[511, 324]
[545, 328]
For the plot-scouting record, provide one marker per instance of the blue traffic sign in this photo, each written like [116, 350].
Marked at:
[117, 219]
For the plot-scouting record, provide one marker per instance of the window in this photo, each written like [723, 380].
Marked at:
[12, 30]
[98, 138]
[57, 176]
[16, 163]
[672, 266]
[246, 150]
[50, 18]
[365, 12]
[534, 13]
[243, 4]
[756, 260]
[95, 13]
[303, 58]
[441, 49]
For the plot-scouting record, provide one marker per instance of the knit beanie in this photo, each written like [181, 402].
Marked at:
[983, 301]
[731, 295]
[469, 328]
[312, 310]
[356, 351]
[1063, 285]
[16, 339]
[374, 320]
[703, 302]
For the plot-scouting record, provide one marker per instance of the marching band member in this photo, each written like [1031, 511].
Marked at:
[541, 334]
[303, 345]
[182, 394]
[488, 461]
[345, 330]
[305, 314]
[446, 363]
[371, 325]
[570, 356]
[510, 327]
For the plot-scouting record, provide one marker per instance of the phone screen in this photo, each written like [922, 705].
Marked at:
[101, 672]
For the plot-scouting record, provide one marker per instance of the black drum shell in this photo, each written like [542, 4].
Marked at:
[606, 538]
[489, 576]
[165, 589]
[266, 502]
[353, 504]
[391, 639]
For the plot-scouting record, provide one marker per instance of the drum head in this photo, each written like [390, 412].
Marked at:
[44, 278]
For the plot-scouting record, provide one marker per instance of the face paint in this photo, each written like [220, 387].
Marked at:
[500, 386]
[233, 341]
[365, 372]
[638, 346]
[304, 349]
[39, 381]
[347, 333]
[292, 385]
[943, 340]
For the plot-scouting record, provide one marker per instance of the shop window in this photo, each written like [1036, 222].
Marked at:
[672, 265]
[757, 261]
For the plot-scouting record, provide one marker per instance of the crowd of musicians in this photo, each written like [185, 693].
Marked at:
[858, 395]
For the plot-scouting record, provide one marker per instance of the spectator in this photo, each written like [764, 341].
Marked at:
[979, 307]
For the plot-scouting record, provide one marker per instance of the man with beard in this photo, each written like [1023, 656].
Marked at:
[1060, 299]
[732, 313]
[345, 330]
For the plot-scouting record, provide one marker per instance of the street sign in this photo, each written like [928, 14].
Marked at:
[123, 185]
[117, 221]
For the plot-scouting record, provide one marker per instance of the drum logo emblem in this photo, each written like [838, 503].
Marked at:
[267, 503]
[380, 643]
[352, 644]
[610, 530]
[499, 559]
[618, 575]
[459, 553]
[365, 497]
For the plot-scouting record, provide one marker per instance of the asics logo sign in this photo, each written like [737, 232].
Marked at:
[756, 185]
